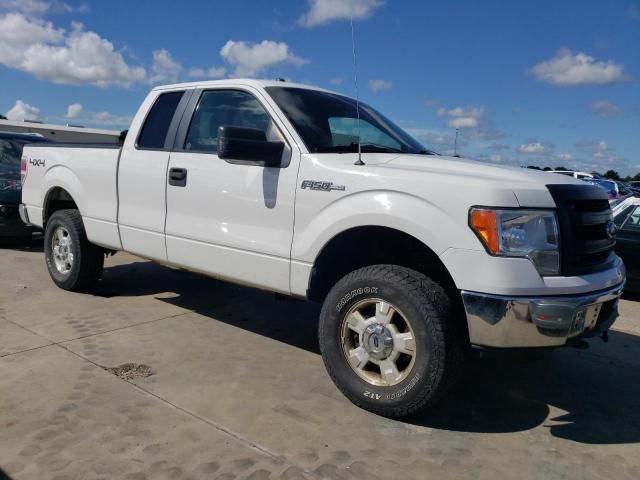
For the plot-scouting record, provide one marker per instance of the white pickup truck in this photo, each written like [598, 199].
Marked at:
[293, 189]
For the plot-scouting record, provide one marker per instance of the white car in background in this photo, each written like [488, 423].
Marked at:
[574, 174]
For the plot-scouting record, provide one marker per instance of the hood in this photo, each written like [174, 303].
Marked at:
[462, 167]
[528, 185]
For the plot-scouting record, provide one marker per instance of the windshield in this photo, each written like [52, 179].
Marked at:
[329, 123]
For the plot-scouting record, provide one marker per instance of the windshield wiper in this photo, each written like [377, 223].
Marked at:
[353, 148]
[374, 147]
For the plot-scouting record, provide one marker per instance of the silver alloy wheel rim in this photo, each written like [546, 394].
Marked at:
[62, 250]
[378, 342]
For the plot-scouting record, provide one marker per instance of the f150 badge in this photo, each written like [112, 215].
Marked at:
[321, 186]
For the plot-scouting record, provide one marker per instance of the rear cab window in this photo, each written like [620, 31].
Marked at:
[153, 134]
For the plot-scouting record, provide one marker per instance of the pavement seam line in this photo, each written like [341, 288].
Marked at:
[53, 342]
[236, 436]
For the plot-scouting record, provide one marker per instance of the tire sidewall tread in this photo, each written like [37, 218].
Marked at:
[88, 259]
[426, 305]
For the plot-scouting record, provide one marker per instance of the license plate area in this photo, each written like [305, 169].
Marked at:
[585, 318]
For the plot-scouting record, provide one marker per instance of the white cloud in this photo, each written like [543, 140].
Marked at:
[460, 117]
[32, 7]
[201, 73]
[463, 122]
[600, 151]
[533, 147]
[379, 84]
[41, 7]
[567, 69]
[322, 12]
[164, 67]
[429, 103]
[605, 109]
[76, 57]
[74, 110]
[249, 59]
[108, 119]
[23, 111]
[565, 157]
[337, 80]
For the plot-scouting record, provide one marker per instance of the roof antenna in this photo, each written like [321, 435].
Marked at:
[355, 79]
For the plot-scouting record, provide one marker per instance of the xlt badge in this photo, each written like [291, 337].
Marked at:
[322, 186]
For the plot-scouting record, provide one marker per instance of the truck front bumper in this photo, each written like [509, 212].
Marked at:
[508, 322]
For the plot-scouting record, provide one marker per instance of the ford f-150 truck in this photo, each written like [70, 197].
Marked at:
[305, 192]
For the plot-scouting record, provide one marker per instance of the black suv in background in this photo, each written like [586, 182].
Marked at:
[11, 144]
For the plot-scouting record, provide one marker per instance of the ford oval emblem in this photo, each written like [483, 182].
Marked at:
[611, 229]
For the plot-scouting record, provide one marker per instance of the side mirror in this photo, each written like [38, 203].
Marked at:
[248, 146]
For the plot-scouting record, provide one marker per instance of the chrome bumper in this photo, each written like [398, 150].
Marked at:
[499, 321]
[24, 216]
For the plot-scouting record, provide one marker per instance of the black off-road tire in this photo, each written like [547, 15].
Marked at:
[441, 345]
[88, 259]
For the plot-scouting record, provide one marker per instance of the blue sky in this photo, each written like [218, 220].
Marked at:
[545, 82]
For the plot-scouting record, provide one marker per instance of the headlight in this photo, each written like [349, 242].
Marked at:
[531, 234]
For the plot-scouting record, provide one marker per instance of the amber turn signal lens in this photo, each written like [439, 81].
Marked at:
[485, 224]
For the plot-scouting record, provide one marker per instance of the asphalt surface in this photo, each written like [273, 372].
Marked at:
[237, 389]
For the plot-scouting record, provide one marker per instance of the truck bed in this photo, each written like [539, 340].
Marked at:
[87, 172]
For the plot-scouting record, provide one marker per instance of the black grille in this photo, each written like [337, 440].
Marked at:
[583, 214]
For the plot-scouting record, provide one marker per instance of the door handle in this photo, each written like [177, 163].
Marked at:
[178, 177]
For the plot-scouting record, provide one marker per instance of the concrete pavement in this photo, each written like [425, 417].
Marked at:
[239, 391]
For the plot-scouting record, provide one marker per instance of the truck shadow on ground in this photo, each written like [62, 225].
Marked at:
[588, 396]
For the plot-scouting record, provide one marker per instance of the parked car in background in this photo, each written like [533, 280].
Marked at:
[11, 144]
[627, 219]
[634, 187]
[607, 185]
[616, 191]
[575, 174]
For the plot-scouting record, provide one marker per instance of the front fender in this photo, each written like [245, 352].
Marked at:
[398, 210]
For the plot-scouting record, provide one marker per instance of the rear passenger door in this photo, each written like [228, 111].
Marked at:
[230, 220]
[142, 174]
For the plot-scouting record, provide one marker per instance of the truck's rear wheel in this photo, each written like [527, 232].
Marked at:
[73, 262]
[389, 341]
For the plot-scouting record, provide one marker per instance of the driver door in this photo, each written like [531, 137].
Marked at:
[230, 220]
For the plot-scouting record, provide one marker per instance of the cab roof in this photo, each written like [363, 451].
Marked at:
[235, 82]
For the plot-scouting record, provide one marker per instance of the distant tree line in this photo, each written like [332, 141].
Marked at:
[610, 174]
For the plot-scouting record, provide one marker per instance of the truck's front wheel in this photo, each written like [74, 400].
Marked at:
[73, 262]
[389, 341]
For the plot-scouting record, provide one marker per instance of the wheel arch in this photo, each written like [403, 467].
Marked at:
[366, 245]
[56, 198]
